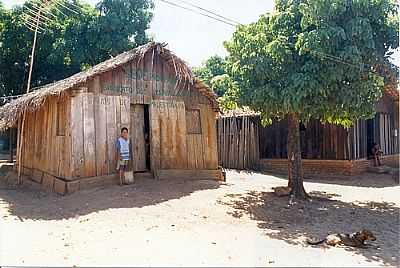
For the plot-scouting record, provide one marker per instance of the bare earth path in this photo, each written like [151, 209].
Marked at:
[202, 223]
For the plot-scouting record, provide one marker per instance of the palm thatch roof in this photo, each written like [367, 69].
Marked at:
[11, 112]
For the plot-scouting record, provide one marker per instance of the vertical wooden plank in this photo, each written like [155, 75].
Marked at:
[137, 138]
[67, 140]
[390, 134]
[171, 134]
[209, 137]
[107, 83]
[159, 77]
[126, 81]
[47, 136]
[125, 111]
[32, 135]
[42, 140]
[37, 138]
[117, 107]
[89, 135]
[180, 138]
[56, 141]
[191, 164]
[148, 71]
[100, 105]
[77, 137]
[240, 164]
[164, 143]
[167, 78]
[383, 139]
[139, 81]
[111, 133]
[335, 141]
[355, 140]
[53, 143]
[27, 145]
[155, 137]
[387, 134]
[200, 163]
[133, 77]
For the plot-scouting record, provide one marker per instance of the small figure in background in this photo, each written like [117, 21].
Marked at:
[376, 153]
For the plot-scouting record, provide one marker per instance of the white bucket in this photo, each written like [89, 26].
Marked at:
[129, 178]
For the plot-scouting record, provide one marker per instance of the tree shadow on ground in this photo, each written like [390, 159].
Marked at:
[366, 179]
[30, 202]
[323, 216]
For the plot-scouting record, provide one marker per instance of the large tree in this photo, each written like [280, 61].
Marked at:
[313, 59]
[70, 43]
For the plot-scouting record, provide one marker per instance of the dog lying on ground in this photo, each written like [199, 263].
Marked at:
[352, 240]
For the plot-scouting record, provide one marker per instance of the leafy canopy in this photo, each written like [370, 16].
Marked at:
[69, 44]
[314, 58]
[212, 67]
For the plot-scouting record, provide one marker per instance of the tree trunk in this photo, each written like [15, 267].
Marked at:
[295, 168]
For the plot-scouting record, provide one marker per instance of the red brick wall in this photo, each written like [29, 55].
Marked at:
[389, 160]
[312, 167]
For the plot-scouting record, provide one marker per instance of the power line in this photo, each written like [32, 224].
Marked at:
[209, 11]
[199, 13]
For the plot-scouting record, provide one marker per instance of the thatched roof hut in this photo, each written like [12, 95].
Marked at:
[71, 125]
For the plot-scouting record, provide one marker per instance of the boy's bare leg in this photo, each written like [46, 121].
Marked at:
[379, 160]
[121, 176]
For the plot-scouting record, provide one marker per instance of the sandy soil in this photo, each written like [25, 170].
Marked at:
[201, 223]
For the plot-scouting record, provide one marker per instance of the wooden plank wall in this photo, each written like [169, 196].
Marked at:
[273, 140]
[97, 110]
[96, 124]
[47, 142]
[385, 133]
[209, 137]
[238, 145]
[358, 140]
[318, 141]
[137, 137]
[168, 135]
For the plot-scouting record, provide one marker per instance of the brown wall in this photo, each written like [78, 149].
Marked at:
[46, 145]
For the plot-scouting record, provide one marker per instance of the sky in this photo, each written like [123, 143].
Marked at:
[194, 37]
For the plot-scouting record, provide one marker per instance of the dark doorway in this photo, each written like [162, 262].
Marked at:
[147, 135]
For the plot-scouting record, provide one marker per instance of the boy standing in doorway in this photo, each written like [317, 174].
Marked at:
[123, 154]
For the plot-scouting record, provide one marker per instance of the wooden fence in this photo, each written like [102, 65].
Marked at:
[238, 142]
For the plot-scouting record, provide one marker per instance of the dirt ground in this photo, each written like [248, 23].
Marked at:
[199, 223]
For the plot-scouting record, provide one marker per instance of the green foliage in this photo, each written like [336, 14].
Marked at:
[314, 58]
[213, 67]
[69, 44]
[224, 83]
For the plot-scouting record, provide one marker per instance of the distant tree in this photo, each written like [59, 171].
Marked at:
[212, 67]
[69, 44]
[313, 59]
[227, 87]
